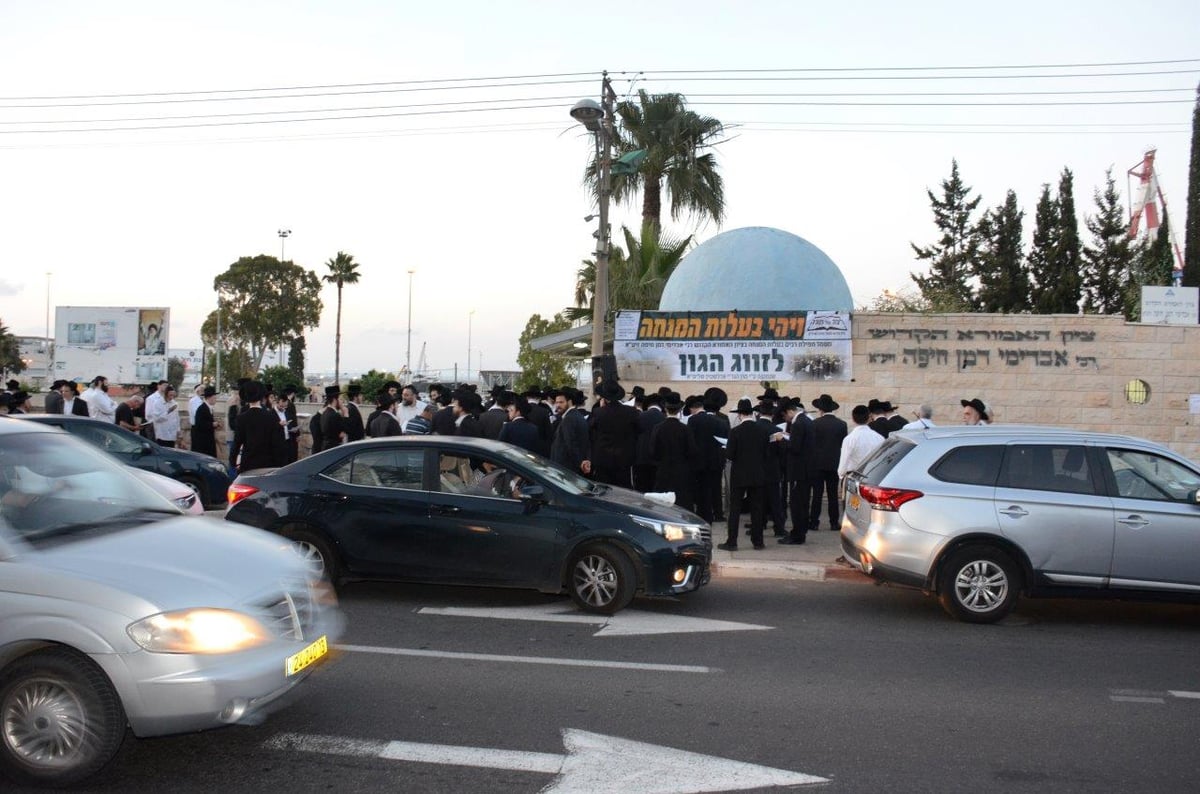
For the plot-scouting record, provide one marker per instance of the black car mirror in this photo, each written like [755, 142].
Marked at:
[147, 448]
[532, 493]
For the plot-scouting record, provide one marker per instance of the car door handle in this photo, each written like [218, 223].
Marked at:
[1014, 511]
[1133, 521]
[443, 510]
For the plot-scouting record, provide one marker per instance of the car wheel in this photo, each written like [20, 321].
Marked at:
[316, 553]
[979, 584]
[602, 580]
[60, 718]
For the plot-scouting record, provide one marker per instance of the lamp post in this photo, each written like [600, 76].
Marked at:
[408, 348]
[597, 117]
[49, 340]
[283, 235]
[470, 317]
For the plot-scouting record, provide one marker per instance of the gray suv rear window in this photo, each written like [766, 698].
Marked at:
[971, 465]
[1048, 467]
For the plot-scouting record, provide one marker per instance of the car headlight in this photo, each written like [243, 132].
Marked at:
[198, 631]
[215, 465]
[672, 532]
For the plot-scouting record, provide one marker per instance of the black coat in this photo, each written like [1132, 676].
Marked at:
[539, 415]
[443, 422]
[800, 449]
[204, 435]
[749, 445]
[571, 445]
[880, 425]
[647, 421]
[383, 425]
[491, 421]
[522, 433]
[705, 429]
[314, 429]
[614, 433]
[355, 431]
[333, 424]
[896, 422]
[828, 434]
[673, 451]
[259, 440]
[78, 407]
[774, 463]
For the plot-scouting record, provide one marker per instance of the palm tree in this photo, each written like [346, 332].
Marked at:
[342, 270]
[10, 353]
[674, 141]
[635, 280]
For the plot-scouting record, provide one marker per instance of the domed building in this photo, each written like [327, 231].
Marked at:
[756, 269]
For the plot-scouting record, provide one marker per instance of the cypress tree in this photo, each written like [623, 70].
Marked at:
[1159, 266]
[1107, 268]
[953, 257]
[1067, 251]
[1041, 252]
[1191, 241]
[1003, 278]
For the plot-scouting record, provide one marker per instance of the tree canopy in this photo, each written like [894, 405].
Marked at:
[953, 257]
[635, 280]
[266, 303]
[537, 367]
[10, 353]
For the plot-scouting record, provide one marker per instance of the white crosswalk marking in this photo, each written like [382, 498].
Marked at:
[1149, 695]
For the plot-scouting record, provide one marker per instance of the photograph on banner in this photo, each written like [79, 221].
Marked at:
[152, 332]
[732, 346]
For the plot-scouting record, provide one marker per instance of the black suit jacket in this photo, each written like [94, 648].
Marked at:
[748, 447]
[647, 421]
[491, 421]
[896, 422]
[259, 439]
[880, 425]
[674, 453]
[204, 436]
[443, 422]
[614, 433]
[828, 434]
[571, 446]
[800, 449]
[354, 423]
[539, 415]
[774, 461]
[522, 433]
[78, 407]
[705, 428]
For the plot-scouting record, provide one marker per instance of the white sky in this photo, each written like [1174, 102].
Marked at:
[488, 207]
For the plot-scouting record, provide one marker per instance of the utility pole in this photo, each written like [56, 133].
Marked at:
[408, 349]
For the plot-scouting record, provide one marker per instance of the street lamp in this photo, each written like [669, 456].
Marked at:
[49, 341]
[469, 318]
[597, 118]
[283, 235]
[408, 349]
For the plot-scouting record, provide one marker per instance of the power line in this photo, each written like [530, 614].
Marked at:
[925, 68]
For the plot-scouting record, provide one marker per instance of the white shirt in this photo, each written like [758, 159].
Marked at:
[193, 403]
[100, 405]
[857, 447]
[919, 424]
[166, 421]
[406, 412]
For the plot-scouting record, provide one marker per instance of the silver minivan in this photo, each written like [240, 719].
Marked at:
[118, 612]
[981, 515]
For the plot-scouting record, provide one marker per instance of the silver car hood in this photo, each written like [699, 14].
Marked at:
[178, 562]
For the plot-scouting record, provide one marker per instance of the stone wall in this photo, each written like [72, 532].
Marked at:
[1062, 370]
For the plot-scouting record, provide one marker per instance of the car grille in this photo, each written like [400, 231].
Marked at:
[706, 534]
[293, 614]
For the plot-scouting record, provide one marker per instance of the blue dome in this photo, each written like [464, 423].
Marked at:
[756, 268]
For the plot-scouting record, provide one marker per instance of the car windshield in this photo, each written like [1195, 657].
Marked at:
[546, 470]
[53, 487]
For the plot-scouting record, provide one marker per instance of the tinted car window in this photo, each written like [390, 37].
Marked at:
[381, 468]
[971, 465]
[108, 439]
[885, 459]
[1047, 467]
[1141, 475]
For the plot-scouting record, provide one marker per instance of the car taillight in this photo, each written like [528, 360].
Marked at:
[886, 498]
[237, 493]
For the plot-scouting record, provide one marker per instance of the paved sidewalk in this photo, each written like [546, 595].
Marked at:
[816, 560]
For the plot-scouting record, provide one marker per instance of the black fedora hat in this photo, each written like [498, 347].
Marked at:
[744, 407]
[825, 403]
[209, 391]
[979, 405]
[611, 391]
[332, 391]
[768, 394]
[716, 396]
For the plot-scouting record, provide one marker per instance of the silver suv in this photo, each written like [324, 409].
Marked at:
[980, 515]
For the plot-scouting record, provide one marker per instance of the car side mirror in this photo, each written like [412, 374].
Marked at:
[147, 449]
[533, 496]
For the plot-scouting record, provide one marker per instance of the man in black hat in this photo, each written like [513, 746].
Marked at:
[828, 434]
[54, 401]
[539, 415]
[258, 442]
[204, 427]
[707, 427]
[443, 416]
[613, 429]
[71, 404]
[467, 405]
[519, 431]
[570, 447]
[383, 422]
[18, 401]
[333, 419]
[747, 451]
[799, 469]
[714, 400]
[976, 412]
[773, 468]
[877, 416]
[355, 430]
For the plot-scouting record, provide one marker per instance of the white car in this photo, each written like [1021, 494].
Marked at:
[176, 492]
[117, 611]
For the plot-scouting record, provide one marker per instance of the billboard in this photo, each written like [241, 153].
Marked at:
[124, 344]
[653, 347]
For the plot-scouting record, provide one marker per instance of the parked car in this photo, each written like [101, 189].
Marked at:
[980, 515]
[176, 492]
[472, 511]
[117, 611]
[204, 474]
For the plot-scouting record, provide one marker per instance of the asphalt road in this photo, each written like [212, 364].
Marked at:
[869, 688]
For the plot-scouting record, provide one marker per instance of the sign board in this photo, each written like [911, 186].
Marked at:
[124, 344]
[654, 347]
[1171, 305]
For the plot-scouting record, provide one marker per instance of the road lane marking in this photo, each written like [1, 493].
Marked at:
[593, 763]
[1133, 699]
[547, 660]
[625, 624]
[1181, 694]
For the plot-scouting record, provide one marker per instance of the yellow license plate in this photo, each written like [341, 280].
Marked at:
[298, 661]
[855, 501]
